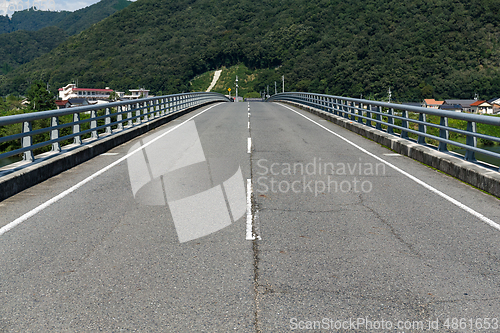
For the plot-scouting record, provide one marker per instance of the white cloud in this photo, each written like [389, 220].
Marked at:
[73, 5]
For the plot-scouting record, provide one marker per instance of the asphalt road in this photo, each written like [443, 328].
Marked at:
[342, 238]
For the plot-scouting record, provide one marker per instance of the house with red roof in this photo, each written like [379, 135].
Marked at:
[431, 103]
[482, 107]
[62, 104]
[72, 91]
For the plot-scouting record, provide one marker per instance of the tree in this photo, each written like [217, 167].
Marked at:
[3, 105]
[113, 96]
[39, 98]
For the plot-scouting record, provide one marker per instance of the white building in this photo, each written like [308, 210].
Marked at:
[482, 107]
[71, 91]
[134, 94]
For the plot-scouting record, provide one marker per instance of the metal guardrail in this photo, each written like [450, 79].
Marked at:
[389, 116]
[104, 119]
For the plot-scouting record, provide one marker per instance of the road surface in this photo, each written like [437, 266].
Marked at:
[338, 234]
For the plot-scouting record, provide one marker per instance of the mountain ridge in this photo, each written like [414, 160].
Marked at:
[417, 48]
[30, 34]
[71, 22]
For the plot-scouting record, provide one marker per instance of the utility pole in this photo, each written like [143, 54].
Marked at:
[236, 88]
[390, 94]
[267, 91]
[283, 85]
[275, 89]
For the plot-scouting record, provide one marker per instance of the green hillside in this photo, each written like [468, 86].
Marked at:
[22, 46]
[30, 34]
[71, 22]
[249, 81]
[419, 48]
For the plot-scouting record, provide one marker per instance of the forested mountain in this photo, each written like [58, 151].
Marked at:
[30, 34]
[71, 22]
[22, 46]
[419, 48]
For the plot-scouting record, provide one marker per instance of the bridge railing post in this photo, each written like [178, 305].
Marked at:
[404, 124]
[54, 134]
[27, 141]
[422, 128]
[119, 118]
[150, 109]
[352, 110]
[145, 110]
[129, 115]
[77, 140]
[93, 124]
[369, 115]
[443, 133]
[138, 112]
[390, 121]
[378, 117]
[107, 120]
[471, 140]
[162, 107]
[360, 113]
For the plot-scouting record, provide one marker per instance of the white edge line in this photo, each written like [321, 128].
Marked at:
[249, 234]
[415, 179]
[46, 204]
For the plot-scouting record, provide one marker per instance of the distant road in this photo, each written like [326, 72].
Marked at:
[214, 80]
[344, 237]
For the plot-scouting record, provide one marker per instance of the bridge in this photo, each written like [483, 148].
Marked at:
[187, 213]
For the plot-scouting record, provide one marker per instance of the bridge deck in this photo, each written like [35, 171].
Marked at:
[361, 240]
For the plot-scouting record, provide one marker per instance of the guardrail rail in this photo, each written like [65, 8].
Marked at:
[88, 123]
[403, 120]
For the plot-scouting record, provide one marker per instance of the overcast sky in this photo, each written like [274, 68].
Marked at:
[73, 5]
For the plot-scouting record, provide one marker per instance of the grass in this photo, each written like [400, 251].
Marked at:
[250, 82]
[202, 82]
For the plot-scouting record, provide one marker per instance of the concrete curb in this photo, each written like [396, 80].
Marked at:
[37, 172]
[481, 177]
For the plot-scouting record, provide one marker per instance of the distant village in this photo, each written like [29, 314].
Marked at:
[72, 96]
[465, 105]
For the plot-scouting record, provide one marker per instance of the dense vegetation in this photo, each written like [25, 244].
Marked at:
[22, 46]
[30, 34]
[419, 48]
[71, 22]
[250, 81]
